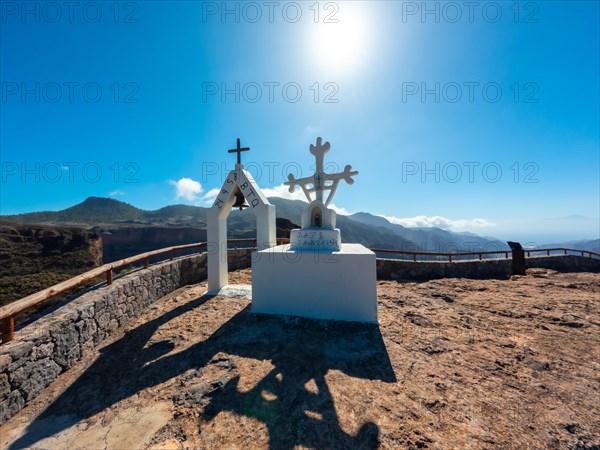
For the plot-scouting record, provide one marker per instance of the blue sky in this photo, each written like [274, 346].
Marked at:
[477, 118]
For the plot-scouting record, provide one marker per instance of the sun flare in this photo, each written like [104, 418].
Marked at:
[341, 46]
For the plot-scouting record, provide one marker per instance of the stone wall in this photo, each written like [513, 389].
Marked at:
[53, 343]
[566, 263]
[395, 269]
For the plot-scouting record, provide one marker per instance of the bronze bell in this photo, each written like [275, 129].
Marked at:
[240, 201]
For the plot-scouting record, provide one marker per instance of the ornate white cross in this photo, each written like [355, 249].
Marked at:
[319, 179]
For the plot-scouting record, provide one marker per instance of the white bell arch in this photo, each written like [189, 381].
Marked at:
[217, 223]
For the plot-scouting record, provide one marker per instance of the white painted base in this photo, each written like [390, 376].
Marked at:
[233, 291]
[338, 285]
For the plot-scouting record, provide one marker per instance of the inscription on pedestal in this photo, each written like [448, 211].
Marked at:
[315, 239]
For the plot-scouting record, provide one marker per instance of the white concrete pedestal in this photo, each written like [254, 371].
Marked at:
[335, 285]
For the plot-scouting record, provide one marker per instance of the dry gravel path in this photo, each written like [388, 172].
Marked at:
[455, 363]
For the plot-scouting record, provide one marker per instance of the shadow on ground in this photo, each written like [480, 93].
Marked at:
[300, 350]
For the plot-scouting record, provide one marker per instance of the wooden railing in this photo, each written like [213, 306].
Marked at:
[437, 255]
[565, 250]
[8, 312]
[480, 255]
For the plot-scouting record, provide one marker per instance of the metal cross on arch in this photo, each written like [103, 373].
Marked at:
[320, 178]
[238, 150]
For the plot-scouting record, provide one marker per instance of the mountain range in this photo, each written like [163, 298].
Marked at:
[108, 215]
[372, 231]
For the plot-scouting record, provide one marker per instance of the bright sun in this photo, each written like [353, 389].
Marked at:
[341, 46]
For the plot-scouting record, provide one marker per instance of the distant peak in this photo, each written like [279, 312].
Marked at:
[104, 202]
[101, 200]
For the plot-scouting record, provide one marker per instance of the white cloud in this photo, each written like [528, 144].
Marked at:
[341, 211]
[440, 222]
[283, 192]
[210, 196]
[187, 189]
[116, 193]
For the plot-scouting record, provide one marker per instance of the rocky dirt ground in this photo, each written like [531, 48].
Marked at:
[454, 363]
